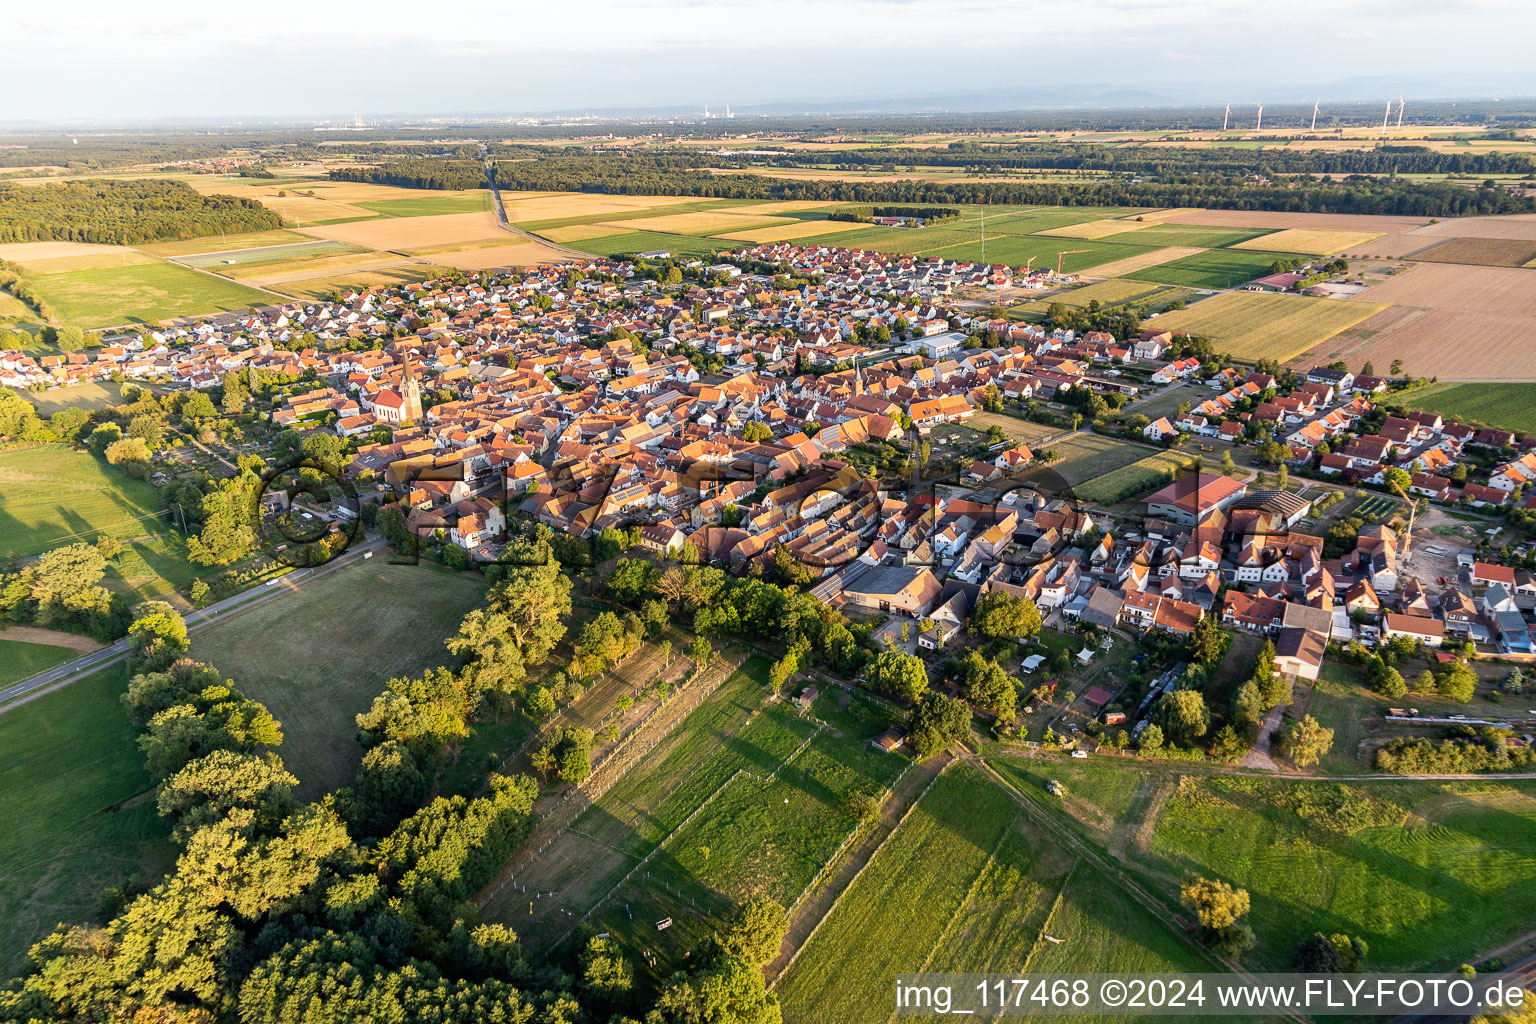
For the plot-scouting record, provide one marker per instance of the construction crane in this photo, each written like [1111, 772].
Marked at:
[1028, 262]
[1066, 252]
[1413, 511]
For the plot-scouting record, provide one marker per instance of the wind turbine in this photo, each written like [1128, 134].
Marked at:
[1226, 117]
[1399, 110]
[1314, 113]
[1384, 119]
[1259, 124]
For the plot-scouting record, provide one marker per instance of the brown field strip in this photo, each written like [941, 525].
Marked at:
[406, 273]
[1445, 343]
[1520, 225]
[1480, 252]
[703, 222]
[1094, 229]
[292, 270]
[518, 255]
[1507, 291]
[33, 254]
[580, 204]
[1374, 223]
[314, 270]
[1131, 264]
[577, 232]
[797, 229]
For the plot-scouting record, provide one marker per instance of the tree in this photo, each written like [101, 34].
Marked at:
[756, 431]
[1207, 641]
[1183, 715]
[1317, 955]
[701, 652]
[1229, 745]
[1398, 479]
[157, 637]
[938, 722]
[70, 339]
[1151, 740]
[149, 427]
[1457, 681]
[1306, 742]
[1215, 903]
[198, 406]
[605, 975]
[998, 615]
[899, 674]
[757, 931]
[207, 790]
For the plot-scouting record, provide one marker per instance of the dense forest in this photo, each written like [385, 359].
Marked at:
[123, 212]
[452, 173]
[688, 174]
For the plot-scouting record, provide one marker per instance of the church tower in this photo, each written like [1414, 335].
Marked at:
[410, 395]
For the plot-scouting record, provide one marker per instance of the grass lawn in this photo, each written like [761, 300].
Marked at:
[141, 294]
[51, 495]
[1219, 268]
[21, 660]
[1141, 475]
[319, 656]
[76, 810]
[1014, 428]
[89, 397]
[1088, 456]
[1433, 874]
[1511, 406]
[901, 907]
[1250, 326]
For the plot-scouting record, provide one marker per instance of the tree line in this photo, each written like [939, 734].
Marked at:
[123, 212]
[423, 172]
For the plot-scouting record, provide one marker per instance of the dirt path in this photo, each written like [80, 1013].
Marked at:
[50, 637]
[809, 912]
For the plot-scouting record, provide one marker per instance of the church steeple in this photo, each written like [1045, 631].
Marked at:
[410, 394]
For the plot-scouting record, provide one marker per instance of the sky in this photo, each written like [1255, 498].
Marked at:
[165, 59]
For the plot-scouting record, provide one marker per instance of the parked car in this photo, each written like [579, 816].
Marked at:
[1080, 753]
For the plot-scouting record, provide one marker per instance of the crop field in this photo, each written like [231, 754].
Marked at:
[1511, 406]
[1187, 235]
[901, 908]
[409, 232]
[320, 287]
[1138, 476]
[140, 294]
[704, 222]
[285, 199]
[1145, 259]
[1214, 268]
[51, 495]
[306, 249]
[1483, 252]
[1032, 434]
[575, 232]
[1106, 293]
[278, 271]
[524, 206]
[1501, 291]
[212, 243]
[1095, 229]
[1251, 326]
[650, 241]
[20, 659]
[520, 254]
[1429, 874]
[1309, 241]
[34, 254]
[318, 657]
[77, 816]
[794, 230]
[426, 206]
[1086, 456]
[98, 260]
[1276, 220]
[1015, 250]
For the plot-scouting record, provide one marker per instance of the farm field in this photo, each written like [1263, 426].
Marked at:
[1106, 293]
[1309, 241]
[1511, 406]
[31, 255]
[1277, 220]
[704, 222]
[1032, 434]
[1016, 250]
[118, 257]
[320, 287]
[141, 294]
[318, 657]
[1429, 874]
[1250, 326]
[78, 816]
[249, 240]
[51, 495]
[20, 659]
[1188, 235]
[902, 906]
[575, 232]
[1095, 229]
[1496, 290]
[430, 205]
[407, 232]
[1484, 252]
[1145, 260]
[649, 241]
[306, 249]
[1141, 475]
[519, 254]
[524, 206]
[789, 232]
[1214, 268]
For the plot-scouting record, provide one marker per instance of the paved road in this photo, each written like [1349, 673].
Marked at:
[19, 693]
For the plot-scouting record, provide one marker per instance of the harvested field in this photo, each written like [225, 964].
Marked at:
[1107, 293]
[1086, 457]
[1520, 225]
[796, 229]
[1155, 258]
[1373, 223]
[291, 206]
[523, 206]
[518, 255]
[319, 287]
[298, 270]
[227, 243]
[1094, 229]
[1319, 242]
[1491, 290]
[1015, 429]
[58, 257]
[1251, 325]
[1187, 234]
[1481, 252]
[576, 232]
[317, 269]
[1432, 343]
[141, 294]
[703, 223]
[409, 232]
[777, 207]
[1510, 406]
[1395, 246]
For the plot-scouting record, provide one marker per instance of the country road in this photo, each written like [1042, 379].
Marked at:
[20, 693]
[506, 225]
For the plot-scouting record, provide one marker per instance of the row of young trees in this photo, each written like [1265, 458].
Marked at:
[124, 212]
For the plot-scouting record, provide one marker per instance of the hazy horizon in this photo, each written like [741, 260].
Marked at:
[177, 60]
